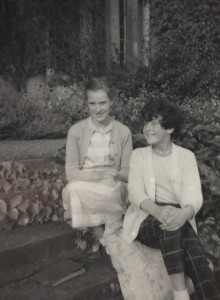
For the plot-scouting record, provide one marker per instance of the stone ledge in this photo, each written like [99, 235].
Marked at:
[23, 236]
[23, 246]
[96, 284]
[29, 149]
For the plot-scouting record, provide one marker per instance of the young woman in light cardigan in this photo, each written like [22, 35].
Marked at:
[165, 191]
[98, 151]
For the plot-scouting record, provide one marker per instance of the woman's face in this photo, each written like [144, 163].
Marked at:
[154, 133]
[99, 106]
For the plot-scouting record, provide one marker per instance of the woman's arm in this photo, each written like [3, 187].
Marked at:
[136, 185]
[125, 157]
[72, 165]
[191, 184]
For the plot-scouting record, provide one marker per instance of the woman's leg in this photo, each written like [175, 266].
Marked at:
[197, 266]
[173, 256]
[170, 243]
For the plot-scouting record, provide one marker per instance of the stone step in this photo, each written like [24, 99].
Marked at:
[25, 252]
[29, 149]
[97, 283]
[25, 246]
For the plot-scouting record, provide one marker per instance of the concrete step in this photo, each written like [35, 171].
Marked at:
[97, 283]
[26, 252]
[23, 246]
[29, 149]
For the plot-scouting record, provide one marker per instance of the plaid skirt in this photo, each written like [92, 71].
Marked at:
[182, 251]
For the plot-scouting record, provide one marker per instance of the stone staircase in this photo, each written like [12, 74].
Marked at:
[25, 254]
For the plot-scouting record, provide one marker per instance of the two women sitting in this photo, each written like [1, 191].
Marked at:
[163, 187]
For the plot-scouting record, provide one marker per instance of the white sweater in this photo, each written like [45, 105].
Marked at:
[141, 185]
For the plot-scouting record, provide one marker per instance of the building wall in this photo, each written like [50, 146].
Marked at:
[128, 33]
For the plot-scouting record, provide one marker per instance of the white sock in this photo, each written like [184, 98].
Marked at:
[181, 295]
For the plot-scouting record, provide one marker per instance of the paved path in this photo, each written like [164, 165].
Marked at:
[31, 149]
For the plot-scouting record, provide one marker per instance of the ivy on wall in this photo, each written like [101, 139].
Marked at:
[62, 35]
[185, 45]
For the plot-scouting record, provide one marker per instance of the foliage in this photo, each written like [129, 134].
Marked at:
[29, 117]
[37, 35]
[30, 196]
[185, 40]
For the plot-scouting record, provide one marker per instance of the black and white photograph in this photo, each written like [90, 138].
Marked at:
[110, 150]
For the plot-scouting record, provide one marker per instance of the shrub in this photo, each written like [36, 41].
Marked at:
[30, 196]
[186, 58]
[26, 117]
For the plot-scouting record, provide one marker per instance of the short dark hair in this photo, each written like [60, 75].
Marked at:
[172, 116]
[100, 83]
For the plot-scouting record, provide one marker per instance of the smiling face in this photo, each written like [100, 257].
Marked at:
[99, 107]
[155, 134]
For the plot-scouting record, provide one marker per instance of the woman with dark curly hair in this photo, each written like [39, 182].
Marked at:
[164, 187]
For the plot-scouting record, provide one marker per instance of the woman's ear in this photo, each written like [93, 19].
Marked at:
[170, 130]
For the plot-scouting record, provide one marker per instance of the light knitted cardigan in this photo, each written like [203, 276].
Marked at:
[141, 185]
[78, 140]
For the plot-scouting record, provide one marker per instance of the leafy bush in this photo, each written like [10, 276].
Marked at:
[28, 117]
[186, 40]
[30, 196]
[63, 35]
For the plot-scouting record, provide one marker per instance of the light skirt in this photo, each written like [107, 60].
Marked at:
[89, 204]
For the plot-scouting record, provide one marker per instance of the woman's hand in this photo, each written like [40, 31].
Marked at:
[177, 218]
[111, 174]
[106, 174]
[162, 213]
